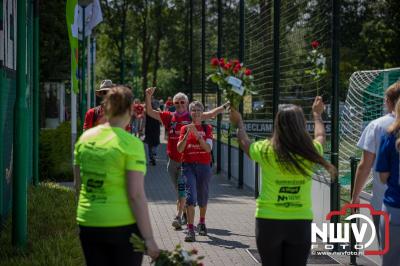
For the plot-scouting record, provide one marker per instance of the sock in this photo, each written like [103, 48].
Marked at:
[202, 220]
[190, 227]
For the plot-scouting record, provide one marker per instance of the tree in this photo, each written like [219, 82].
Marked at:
[54, 44]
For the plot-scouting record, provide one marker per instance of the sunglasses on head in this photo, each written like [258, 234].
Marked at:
[179, 102]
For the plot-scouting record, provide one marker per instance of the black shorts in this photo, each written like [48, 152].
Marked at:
[283, 242]
[109, 245]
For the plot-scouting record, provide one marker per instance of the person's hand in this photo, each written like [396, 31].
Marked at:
[152, 249]
[318, 106]
[192, 127]
[227, 105]
[150, 91]
[235, 117]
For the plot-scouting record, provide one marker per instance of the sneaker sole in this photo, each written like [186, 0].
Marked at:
[202, 233]
[190, 240]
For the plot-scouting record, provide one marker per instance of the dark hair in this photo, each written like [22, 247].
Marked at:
[292, 143]
[392, 93]
[117, 101]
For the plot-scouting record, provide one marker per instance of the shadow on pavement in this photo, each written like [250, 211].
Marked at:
[228, 244]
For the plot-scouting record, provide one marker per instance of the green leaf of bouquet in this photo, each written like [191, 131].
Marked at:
[216, 78]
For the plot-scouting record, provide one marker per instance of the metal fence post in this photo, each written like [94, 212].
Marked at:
[353, 167]
[191, 49]
[83, 96]
[219, 118]
[36, 101]
[276, 78]
[21, 139]
[335, 186]
[241, 59]
[203, 52]
[229, 153]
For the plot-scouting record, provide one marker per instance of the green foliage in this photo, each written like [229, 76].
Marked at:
[55, 153]
[52, 230]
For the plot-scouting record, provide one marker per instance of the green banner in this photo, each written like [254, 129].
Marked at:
[72, 5]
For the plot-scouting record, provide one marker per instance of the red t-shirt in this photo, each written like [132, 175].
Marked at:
[193, 152]
[173, 123]
[91, 121]
[138, 109]
[168, 104]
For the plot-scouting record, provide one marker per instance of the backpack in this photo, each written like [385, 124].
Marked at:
[96, 114]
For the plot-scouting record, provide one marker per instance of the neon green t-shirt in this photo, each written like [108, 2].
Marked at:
[283, 195]
[103, 158]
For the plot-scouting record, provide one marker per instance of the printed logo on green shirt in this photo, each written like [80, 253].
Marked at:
[289, 190]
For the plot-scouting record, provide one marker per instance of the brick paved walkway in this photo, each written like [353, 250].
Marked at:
[230, 220]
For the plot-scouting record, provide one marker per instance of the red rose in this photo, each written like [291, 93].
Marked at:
[247, 72]
[214, 62]
[236, 62]
[222, 62]
[227, 66]
[236, 70]
[315, 44]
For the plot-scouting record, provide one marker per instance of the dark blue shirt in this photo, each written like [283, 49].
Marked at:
[388, 161]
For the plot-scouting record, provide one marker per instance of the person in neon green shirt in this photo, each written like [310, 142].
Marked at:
[284, 209]
[109, 168]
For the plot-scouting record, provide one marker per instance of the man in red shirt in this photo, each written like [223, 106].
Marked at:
[168, 103]
[95, 116]
[173, 121]
[138, 111]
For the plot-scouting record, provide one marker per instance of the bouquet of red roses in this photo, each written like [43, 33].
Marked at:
[233, 78]
[177, 257]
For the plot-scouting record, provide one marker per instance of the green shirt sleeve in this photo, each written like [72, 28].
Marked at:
[319, 147]
[256, 150]
[136, 158]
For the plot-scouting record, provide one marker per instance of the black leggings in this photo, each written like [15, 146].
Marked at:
[109, 245]
[283, 242]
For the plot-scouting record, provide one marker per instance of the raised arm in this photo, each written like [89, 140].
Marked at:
[319, 128]
[243, 139]
[214, 112]
[149, 111]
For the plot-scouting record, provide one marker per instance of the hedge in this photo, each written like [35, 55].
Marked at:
[55, 153]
